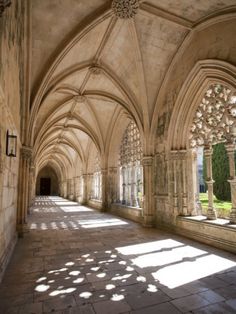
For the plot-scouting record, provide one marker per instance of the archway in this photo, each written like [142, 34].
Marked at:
[47, 182]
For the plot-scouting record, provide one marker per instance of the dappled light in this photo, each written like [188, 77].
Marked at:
[96, 259]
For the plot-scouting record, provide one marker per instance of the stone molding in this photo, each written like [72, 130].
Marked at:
[147, 160]
[178, 154]
[3, 5]
[125, 9]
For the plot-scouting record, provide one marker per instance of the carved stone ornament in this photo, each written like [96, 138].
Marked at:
[96, 70]
[131, 150]
[79, 98]
[125, 9]
[3, 5]
[215, 118]
[26, 153]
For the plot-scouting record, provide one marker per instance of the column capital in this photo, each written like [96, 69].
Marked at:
[147, 160]
[26, 152]
[230, 148]
[178, 154]
[208, 151]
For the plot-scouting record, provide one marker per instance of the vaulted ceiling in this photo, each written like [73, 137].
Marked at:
[91, 70]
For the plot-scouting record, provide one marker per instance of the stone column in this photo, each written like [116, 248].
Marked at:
[123, 184]
[230, 148]
[32, 184]
[104, 191]
[197, 203]
[23, 188]
[211, 212]
[84, 183]
[174, 180]
[148, 204]
[112, 185]
[183, 169]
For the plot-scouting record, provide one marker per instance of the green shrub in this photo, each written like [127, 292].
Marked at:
[220, 171]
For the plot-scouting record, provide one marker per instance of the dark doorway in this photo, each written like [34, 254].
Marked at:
[45, 186]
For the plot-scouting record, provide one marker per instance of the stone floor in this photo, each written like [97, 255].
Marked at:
[76, 260]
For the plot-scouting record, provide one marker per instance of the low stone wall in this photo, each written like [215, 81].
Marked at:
[219, 236]
[96, 204]
[132, 213]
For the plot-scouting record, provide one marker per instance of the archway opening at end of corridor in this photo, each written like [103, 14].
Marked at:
[47, 182]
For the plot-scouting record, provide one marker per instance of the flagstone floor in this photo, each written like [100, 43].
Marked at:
[77, 260]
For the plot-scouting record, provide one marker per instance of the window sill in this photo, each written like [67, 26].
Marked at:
[203, 219]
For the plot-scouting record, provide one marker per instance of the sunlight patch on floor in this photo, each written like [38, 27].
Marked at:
[148, 247]
[185, 272]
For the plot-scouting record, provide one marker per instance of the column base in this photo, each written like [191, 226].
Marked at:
[22, 229]
[148, 221]
[211, 214]
[232, 216]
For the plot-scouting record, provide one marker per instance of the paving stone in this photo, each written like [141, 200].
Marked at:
[146, 299]
[163, 308]
[217, 308]
[108, 307]
[211, 296]
[232, 303]
[83, 271]
[62, 303]
[32, 308]
[189, 303]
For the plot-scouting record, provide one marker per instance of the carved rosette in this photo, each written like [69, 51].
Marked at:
[95, 69]
[3, 5]
[215, 118]
[79, 99]
[125, 9]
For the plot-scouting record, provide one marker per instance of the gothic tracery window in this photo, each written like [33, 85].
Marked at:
[215, 117]
[214, 122]
[97, 179]
[131, 172]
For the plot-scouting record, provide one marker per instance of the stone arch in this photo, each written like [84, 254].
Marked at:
[182, 165]
[204, 73]
[47, 182]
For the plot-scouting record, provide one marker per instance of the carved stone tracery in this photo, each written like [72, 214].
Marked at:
[3, 5]
[215, 118]
[125, 9]
[131, 170]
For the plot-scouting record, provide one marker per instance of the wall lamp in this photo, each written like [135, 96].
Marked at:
[11, 144]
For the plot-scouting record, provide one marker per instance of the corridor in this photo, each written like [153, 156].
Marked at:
[74, 259]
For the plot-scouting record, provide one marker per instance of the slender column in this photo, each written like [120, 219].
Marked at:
[211, 212]
[197, 203]
[112, 184]
[31, 185]
[230, 148]
[134, 201]
[123, 184]
[104, 189]
[183, 166]
[148, 207]
[174, 176]
[23, 188]
[84, 188]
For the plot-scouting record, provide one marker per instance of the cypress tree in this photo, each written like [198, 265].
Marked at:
[220, 171]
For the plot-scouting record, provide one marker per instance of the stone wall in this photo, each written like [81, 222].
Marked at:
[11, 102]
